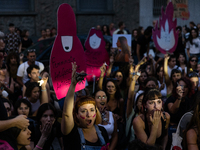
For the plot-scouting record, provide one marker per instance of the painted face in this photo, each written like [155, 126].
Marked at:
[94, 41]
[151, 84]
[176, 76]
[101, 99]
[23, 109]
[7, 106]
[34, 75]
[195, 82]
[181, 59]
[152, 105]
[119, 77]
[139, 102]
[86, 115]
[47, 117]
[31, 57]
[184, 87]
[111, 89]
[143, 77]
[24, 137]
[35, 93]
[172, 62]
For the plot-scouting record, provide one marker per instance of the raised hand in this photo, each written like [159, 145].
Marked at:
[103, 68]
[21, 121]
[179, 90]
[46, 130]
[156, 118]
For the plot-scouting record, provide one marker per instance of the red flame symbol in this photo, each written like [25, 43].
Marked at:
[166, 38]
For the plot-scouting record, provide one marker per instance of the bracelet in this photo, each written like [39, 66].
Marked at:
[44, 90]
[39, 147]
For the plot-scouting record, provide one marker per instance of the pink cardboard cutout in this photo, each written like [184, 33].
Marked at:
[95, 53]
[66, 49]
[166, 38]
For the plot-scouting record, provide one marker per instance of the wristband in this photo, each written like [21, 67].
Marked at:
[39, 147]
[44, 90]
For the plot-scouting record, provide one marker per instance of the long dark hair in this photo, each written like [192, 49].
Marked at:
[44, 107]
[18, 104]
[190, 37]
[187, 83]
[189, 65]
[11, 55]
[30, 87]
[123, 83]
[195, 120]
[117, 93]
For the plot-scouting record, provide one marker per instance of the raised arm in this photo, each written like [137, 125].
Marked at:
[67, 122]
[167, 79]
[110, 66]
[100, 83]
[173, 107]
[44, 95]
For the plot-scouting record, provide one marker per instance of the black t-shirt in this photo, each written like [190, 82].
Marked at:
[184, 107]
[143, 42]
[26, 43]
[134, 47]
[72, 141]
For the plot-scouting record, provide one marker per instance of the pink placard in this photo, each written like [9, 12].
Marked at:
[67, 48]
[96, 53]
[165, 36]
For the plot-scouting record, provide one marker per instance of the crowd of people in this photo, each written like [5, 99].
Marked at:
[137, 104]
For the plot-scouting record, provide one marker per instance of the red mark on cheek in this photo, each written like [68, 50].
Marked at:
[82, 117]
[94, 115]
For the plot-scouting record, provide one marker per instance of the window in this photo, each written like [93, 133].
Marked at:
[8, 6]
[157, 5]
[94, 6]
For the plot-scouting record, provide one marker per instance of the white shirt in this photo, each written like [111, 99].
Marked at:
[115, 32]
[170, 70]
[195, 47]
[21, 72]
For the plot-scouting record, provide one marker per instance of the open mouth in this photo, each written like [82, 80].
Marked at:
[102, 103]
[88, 122]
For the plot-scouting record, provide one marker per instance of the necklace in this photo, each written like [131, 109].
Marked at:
[103, 116]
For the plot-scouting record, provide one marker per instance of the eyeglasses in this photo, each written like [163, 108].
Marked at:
[31, 50]
[192, 60]
[103, 97]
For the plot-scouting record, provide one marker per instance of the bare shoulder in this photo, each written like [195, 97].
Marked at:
[139, 120]
[191, 136]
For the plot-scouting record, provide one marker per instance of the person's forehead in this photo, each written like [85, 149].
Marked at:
[35, 70]
[31, 53]
[86, 106]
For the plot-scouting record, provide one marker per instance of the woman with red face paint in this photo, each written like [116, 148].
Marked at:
[80, 120]
[151, 126]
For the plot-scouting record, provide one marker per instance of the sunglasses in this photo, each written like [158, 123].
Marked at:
[31, 50]
[192, 60]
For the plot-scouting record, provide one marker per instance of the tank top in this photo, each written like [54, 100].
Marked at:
[158, 140]
[110, 126]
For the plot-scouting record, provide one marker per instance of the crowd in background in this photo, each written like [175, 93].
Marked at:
[138, 102]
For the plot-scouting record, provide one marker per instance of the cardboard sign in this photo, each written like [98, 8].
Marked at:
[95, 53]
[165, 36]
[67, 48]
[115, 38]
[181, 9]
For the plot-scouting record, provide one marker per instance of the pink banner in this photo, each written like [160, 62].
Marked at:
[67, 48]
[95, 53]
[165, 36]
